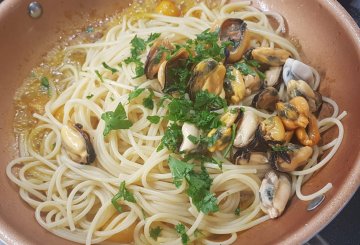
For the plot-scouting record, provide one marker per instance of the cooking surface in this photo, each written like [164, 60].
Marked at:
[345, 228]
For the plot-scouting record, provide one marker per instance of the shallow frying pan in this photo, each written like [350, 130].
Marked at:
[328, 37]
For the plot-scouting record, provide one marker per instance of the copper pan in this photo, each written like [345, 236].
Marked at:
[329, 39]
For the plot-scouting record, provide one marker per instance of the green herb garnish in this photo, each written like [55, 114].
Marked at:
[138, 47]
[153, 119]
[44, 82]
[106, 66]
[115, 120]
[99, 76]
[233, 132]
[237, 211]
[135, 93]
[89, 96]
[198, 185]
[172, 138]
[180, 229]
[280, 148]
[122, 194]
[155, 232]
[89, 29]
[148, 101]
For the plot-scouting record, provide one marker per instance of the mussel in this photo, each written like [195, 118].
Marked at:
[207, 75]
[167, 71]
[301, 88]
[246, 129]
[156, 56]
[297, 70]
[294, 113]
[289, 157]
[235, 31]
[274, 193]
[221, 137]
[77, 143]
[271, 56]
[272, 129]
[272, 76]
[188, 129]
[266, 99]
[234, 86]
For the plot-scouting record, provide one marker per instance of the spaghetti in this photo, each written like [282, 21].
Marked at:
[73, 201]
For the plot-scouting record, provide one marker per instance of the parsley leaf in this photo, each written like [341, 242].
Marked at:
[135, 93]
[115, 120]
[152, 37]
[202, 158]
[106, 66]
[138, 47]
[206, 46]
[198, 185]
[199, 191]
[153, 119]
[237, 211]
[178, 110]
[148, 101]
[172, 138]
[233, 133]
[123, 193]
[179, 170]
[244, 68]
[206, 100]
[44, 82]
[99, 76]
[155, 232]
[193, 139]
[180, 229]
[89, 96]
[281, 148]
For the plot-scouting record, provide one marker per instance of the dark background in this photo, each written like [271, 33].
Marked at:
[345, 228]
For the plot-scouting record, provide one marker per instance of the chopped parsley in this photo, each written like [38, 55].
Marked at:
[233, 133]
[193, 139]
[208, 101]
[115, 120]
[44, 82]
[135, 93]
[148, 101]
[179, 170]
[106, 66]
[89, 29]
[122, 194]
[138, 46]
[155, 232]
[280, 148]
[249, 67]
[153, 119]
[99, 76]
[206, 46]
[172, 138]
[180, 229]
[89, 96]
[198, 185]
[237, 211]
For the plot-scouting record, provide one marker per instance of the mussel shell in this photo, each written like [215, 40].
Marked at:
[179, 60]
[91, 155]
[234, 30]
[152, 65]
[266, 99]
[207, 75]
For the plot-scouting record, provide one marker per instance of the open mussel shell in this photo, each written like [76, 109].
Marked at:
[207, 75]
[235, 30]
[266, 99]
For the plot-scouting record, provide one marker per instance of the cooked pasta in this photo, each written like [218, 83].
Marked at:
[76, 201]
